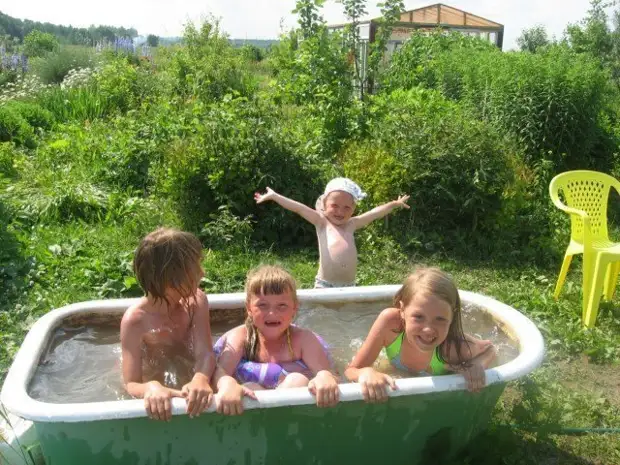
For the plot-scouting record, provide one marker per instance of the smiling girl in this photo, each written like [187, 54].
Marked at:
[421, 334]
[268, 352]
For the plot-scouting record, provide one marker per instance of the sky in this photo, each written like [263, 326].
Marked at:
[266, 19]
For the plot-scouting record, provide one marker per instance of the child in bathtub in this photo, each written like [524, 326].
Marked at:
[335, 226]
[421, 334]
[285, 355]
[172, 318]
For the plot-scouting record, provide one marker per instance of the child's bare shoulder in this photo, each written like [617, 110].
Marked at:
[135, 317]
[302, 334]
[201, 301]
[390, 318]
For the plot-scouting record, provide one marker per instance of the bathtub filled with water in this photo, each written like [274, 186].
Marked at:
[66, 378]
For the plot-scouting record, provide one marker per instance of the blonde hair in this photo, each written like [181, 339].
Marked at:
[435, 282]
[265, 280]
[168, 258]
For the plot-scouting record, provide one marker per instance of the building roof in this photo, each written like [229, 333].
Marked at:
[440, 14]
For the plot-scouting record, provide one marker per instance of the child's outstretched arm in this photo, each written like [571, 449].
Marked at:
[324, 385]
[307, 213]
[230, 392]
[373, 383]
[156, 396]
[379, 212]
[198, 391]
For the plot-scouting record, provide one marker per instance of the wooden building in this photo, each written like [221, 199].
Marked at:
[429, 18]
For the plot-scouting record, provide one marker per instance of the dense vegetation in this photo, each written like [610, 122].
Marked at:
[98, 149]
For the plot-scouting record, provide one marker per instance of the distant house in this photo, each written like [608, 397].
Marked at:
[431, 17]
[428, 18]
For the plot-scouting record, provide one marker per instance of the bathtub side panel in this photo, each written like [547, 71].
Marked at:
[407, 430]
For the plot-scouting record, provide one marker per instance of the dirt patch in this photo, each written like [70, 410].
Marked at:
[583, 375]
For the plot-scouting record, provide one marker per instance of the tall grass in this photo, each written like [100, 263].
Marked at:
[77, 104]
[20, 451]
[53, 67]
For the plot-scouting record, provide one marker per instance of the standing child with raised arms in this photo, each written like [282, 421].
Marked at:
[421, 334]
[171, 319]
[335, 226]
[268, 351]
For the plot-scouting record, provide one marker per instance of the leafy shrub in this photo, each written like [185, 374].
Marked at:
[6, 159]
[53, 68]
[208, 67]
[554, 102]
[117, 84]
[454, 167]
[133, 145]
[233, 150]
[416, 61]
[315, 75]
[14, 127]
[252, 53]
[34, 114]
[227, 230]
[38, 43]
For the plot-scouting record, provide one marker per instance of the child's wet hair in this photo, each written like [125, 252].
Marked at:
[265, 280]
[428, 280]
[168, 258]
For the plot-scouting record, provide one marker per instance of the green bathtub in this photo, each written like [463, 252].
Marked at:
[426, 420]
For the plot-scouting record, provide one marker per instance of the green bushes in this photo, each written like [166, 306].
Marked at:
[314, 75]
[38, 43]
[455, 168]
[117, 84]
[208, 67]
[34, 114]
[18, 119]
[553, 102]
[235, 151]
[6, 159]
[53, 67]
[13, 127]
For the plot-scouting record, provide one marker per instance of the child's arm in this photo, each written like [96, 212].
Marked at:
[229, 391]
[480, 355]
[156, 396]
[374, 384]
[365, 219]
[307, 213]
[324, 385]
[198, 391]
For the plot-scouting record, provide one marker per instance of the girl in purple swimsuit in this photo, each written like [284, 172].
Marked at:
[268, 351]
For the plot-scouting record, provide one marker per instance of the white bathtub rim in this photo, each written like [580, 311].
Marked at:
[15, 398]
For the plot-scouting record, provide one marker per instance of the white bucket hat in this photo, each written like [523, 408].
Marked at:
[344, 185]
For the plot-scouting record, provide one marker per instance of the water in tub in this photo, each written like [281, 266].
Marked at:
[82, 362]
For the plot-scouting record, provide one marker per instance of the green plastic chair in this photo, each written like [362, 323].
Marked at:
[586, 195]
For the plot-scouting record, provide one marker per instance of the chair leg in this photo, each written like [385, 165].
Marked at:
[562, 277]
[611, 278]
[596, 290]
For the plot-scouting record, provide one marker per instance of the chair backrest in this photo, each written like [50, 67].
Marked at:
[587, 191]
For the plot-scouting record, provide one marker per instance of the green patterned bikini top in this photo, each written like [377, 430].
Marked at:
[437, 367]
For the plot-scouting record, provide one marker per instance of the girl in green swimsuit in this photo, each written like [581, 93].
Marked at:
[421, 334]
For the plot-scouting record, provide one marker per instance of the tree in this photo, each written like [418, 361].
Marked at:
[533, 38]
[38, 43]
[152, 40]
